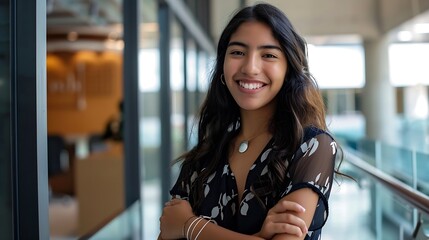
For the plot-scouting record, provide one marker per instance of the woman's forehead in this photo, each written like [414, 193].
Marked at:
[254, 32]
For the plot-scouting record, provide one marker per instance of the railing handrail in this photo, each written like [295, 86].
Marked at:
[409, 194]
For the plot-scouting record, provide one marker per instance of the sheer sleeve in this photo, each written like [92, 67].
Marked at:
[313, 167]
[181, 188]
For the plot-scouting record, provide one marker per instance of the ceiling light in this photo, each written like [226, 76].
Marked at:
[405, 36]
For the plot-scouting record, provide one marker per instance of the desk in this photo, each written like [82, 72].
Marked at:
[99, 181]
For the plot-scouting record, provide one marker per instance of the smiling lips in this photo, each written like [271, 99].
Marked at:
[250, 86]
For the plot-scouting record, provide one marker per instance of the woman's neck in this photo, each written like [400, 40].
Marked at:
[254, 122]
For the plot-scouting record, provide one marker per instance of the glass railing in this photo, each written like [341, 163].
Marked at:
[407, 165]
[389, 199]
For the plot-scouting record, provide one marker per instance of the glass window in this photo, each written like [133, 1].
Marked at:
[187, 87]
[192, 90]
[177, 83]
[408, 64]
[204, 65]
[84, 111]
[337, 66]
[5, 154]
[150, 122]
[177, 73]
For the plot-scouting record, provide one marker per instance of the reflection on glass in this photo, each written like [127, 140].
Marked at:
[84, 111]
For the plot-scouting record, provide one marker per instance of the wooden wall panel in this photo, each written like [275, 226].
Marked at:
[84, 91]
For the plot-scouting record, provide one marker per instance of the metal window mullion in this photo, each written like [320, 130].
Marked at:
[185, 88]
[185, 16]
[131, 107]
[165, 99]
[197, 85]
[28, 123]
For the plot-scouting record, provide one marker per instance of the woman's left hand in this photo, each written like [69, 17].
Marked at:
[280, 220]
[174, 216]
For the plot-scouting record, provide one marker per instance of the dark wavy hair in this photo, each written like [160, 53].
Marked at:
[299, 104]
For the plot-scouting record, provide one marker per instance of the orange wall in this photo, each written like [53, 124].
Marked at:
[84, 89]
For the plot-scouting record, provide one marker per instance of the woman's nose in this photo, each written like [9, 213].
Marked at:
[251, 65]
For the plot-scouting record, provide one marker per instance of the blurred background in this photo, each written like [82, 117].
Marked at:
[124, 82]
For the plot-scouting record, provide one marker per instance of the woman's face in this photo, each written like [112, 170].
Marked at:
[255, 66]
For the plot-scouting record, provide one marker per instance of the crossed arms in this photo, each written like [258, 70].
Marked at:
[287, 220]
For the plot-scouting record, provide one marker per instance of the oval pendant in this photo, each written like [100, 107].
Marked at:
[243, 146]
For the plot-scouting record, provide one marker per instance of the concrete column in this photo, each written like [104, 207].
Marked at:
[378, 96]
[416, 102]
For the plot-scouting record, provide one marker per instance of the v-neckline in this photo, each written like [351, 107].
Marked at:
[249, 174]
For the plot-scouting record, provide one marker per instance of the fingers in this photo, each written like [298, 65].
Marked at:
[283, 206]
[173, 202]
[280, 228]
[288, 223]
[281, 220]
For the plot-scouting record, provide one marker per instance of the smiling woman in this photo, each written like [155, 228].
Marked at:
[264, 162]
[254, 68]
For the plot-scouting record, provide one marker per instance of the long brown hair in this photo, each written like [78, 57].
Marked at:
[299, 104]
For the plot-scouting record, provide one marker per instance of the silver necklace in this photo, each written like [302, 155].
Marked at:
[244, 145]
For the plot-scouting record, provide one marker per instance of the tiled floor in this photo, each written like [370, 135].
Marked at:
[349, 210]
[63, 217]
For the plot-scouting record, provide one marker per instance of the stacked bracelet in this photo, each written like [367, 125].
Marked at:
[205, 224]
[192, 232]
[189, 227]
[184, 225]
[194, 225]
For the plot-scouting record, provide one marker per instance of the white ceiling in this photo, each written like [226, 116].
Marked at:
[321, 21]
[338, 20]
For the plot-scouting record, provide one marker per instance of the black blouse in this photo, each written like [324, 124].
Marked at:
[312, 166]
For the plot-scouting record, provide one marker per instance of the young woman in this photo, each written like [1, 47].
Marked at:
[264, 163]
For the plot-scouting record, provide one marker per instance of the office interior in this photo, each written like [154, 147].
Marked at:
[98, 97]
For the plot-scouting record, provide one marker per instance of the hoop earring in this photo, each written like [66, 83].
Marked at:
[222, 79]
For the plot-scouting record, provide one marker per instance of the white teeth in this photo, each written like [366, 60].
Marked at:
[251, 86]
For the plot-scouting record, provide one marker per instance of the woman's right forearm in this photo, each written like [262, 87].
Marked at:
[209, 231]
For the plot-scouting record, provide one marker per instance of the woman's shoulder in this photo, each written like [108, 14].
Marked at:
[313, 131]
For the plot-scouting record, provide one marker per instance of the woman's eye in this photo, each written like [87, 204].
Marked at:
[268, 55]
[237, 53]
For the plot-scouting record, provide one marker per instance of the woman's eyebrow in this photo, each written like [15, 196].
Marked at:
[270, 47]
[237, 44]
[259, 47]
